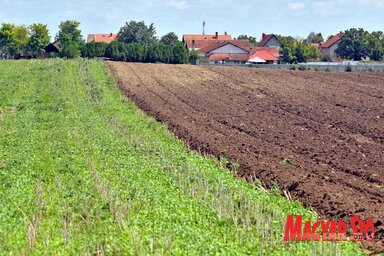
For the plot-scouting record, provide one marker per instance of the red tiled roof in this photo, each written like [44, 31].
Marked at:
[106, 38]
[227, 56]
[243, 44]
[331, 41]
[239, 57]
[274, 51]
[198, 44]
[200, 41]
[265, 39]
[219, 56]
[206, 37]
[265, 54]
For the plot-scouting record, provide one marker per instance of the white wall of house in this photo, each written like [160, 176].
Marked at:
[330, 51]
[273, 42]
[228, 48]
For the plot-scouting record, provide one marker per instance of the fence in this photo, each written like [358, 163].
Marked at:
[336, 67]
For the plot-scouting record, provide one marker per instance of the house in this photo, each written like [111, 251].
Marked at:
[329, 47]
[52, 48]
[265, 55]
[230, 51]
[200, 41]
[269, 41]
[101, 38]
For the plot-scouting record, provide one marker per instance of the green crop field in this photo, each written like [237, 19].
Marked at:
[84, 172]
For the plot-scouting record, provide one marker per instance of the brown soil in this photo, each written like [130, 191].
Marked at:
[318, 135]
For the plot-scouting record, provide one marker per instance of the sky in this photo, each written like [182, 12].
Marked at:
[252, 17]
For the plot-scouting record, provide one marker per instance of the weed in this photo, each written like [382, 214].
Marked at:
[83, 171]
[286, 161]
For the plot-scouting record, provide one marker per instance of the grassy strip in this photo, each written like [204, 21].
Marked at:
[84, 171]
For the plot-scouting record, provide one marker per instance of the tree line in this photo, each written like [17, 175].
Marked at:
[136, 42]
[355, 44]
[18, 41]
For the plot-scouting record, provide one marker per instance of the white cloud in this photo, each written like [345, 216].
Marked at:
[181, 5]
[328, 7]
[13, 2]
[376, 3]
[296, 6]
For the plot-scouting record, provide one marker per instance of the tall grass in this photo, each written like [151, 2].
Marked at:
[84, 171]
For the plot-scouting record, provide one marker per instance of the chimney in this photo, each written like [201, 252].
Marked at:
[225, 33]
[110, 35]
[193, 44]
[217, 35]
[263, 37]
[203, 27]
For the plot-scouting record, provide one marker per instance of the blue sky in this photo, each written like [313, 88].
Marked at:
[252, 17]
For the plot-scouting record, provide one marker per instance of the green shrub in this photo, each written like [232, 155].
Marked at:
[348, 68]
[70, 50]
[326, 58]
[302, 68]
[93, 49]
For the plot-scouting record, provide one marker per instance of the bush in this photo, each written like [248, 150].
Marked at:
[70, 50]
[292, 67]
[301, 68]
[327, 69]
[326, 58]
[151, 53]
[348, 68]
[93, 49]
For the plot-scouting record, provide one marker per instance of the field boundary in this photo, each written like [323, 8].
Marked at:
[313, 67]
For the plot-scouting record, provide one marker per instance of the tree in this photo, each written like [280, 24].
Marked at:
[194, 56]
[6, 39]
[376, 45]
[69, 31]
[180, 54]
[295, 51]
[375, 48]
[18, 46]
[251, 39]
[314, 38]
[39, 39]
[137, 32]
[70, 38]
[169, 39]
[353, 44]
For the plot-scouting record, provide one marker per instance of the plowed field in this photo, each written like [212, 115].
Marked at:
[318, 135]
